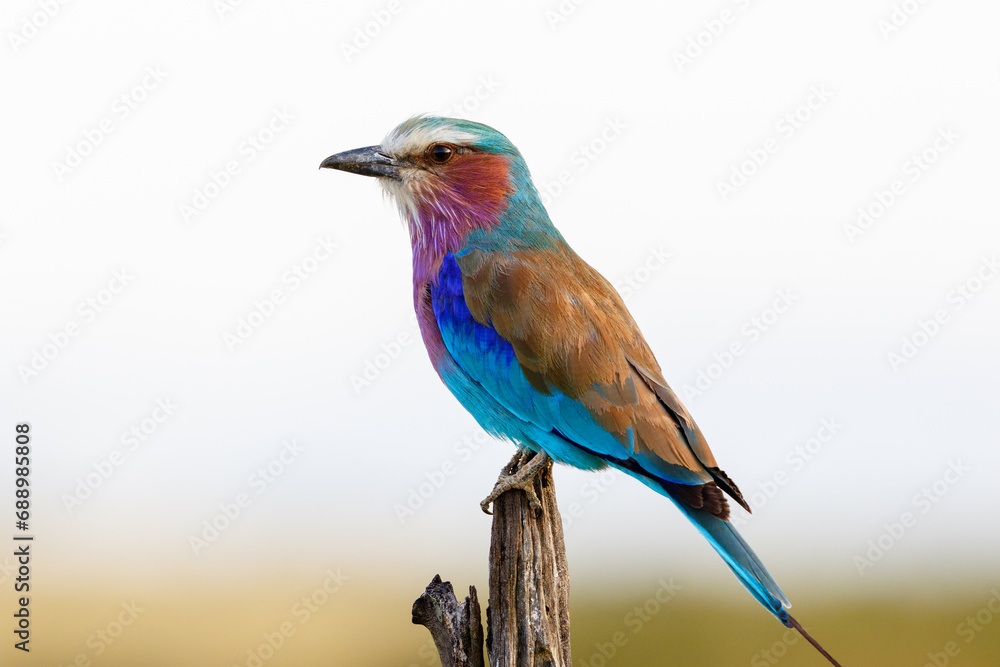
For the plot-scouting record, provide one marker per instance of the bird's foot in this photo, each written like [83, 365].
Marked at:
[519, 473]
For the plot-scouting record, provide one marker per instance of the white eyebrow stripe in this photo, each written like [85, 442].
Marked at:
[415, 140]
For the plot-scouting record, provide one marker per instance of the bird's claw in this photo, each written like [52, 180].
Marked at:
[513, 476]
[502, 488]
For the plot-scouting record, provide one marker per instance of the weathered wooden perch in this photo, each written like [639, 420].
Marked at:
[457, 628]
[528, 613]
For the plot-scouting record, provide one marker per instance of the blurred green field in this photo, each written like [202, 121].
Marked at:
[276, 623]
[887, 632]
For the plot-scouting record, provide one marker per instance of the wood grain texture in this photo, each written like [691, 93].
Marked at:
[456, 627]
[528, 614]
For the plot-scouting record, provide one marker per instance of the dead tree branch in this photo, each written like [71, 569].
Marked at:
[528, 614]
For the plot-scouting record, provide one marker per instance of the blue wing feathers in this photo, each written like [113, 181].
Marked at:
[489, 360]
[489, 382]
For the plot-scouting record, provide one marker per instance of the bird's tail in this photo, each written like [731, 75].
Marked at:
[746, 566]
[740, 558]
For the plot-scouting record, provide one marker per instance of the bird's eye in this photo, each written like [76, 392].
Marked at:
[440, 153]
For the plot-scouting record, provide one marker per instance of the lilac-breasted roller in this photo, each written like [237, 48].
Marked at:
[535, 343]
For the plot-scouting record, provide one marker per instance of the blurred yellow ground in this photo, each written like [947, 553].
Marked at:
[187, 623]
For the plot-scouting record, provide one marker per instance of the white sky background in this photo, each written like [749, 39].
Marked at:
[675, 133]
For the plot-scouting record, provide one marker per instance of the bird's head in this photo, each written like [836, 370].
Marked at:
[449, 178]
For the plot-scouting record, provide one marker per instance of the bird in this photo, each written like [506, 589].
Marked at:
[536, 344]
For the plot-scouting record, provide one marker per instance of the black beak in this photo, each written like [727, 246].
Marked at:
[368, 161]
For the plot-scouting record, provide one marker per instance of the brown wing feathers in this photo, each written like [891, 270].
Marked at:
[571, 331]
[692, 433]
